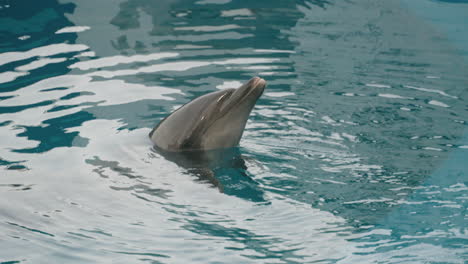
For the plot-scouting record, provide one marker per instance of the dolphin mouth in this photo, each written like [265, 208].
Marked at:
[255, 85]
[258, 83]
[252, 89]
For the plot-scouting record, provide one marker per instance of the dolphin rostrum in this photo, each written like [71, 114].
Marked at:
[212, 121]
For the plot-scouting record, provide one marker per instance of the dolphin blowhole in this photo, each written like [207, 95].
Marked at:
[212, 121]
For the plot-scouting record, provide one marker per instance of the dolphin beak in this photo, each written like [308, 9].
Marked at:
[249, 91]
[258, 82]
[255, 86]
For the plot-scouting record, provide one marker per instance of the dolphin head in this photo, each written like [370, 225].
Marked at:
[233, 108]
[212, 121]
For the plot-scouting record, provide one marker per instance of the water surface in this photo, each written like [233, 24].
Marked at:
[356, 152]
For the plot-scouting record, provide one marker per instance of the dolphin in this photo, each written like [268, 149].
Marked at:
[223, 169]
[212, 121]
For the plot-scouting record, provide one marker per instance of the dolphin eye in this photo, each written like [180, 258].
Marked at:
[221, 97]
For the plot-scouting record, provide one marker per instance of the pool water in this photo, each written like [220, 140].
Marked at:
[357, 152]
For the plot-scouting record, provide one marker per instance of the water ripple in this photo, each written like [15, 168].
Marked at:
[355, 153]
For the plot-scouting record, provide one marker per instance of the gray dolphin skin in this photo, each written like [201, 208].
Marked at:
[212, 121]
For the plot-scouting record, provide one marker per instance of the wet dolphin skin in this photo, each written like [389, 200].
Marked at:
[212, 121]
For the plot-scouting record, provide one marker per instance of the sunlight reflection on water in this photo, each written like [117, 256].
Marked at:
[354, 154]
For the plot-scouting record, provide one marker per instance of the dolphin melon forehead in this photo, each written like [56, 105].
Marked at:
[182, 121]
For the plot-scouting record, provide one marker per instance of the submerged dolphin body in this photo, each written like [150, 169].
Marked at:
[212, 121]
[224, 169]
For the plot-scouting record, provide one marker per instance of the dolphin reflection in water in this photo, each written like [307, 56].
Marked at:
[203, 136]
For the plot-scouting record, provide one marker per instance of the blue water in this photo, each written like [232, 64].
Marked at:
[356, 153]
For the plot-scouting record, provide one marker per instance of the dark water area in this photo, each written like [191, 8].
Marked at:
[357, 152]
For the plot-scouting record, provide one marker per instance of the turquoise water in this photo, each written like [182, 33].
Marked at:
[356, 153]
